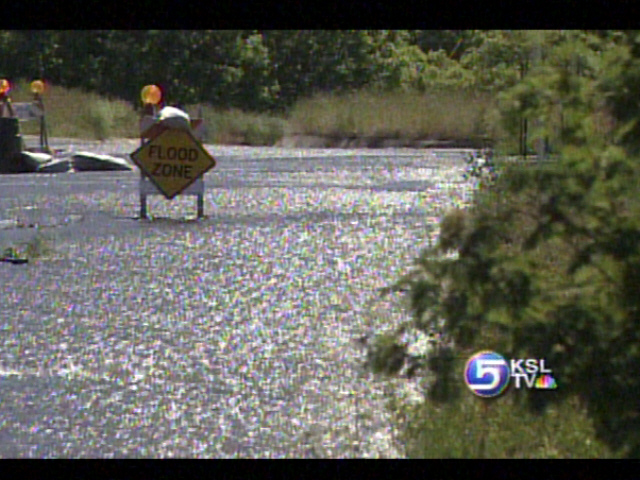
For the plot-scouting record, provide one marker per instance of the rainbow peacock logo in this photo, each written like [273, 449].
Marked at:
[546, 382]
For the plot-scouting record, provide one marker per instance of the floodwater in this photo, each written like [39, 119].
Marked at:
[228, 336]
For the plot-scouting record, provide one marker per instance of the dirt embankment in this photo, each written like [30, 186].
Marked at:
[329, 141]
[119, 146]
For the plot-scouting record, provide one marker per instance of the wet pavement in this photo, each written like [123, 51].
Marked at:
[228, 336]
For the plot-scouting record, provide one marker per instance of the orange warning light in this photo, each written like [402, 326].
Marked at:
[5, 86]
[37, 87]
[151, 94]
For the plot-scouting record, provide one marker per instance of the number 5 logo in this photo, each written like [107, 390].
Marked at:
[487, 374]
[491, 367]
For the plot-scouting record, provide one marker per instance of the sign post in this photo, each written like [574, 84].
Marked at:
[37, 108]
[151, 96]
[172, 162]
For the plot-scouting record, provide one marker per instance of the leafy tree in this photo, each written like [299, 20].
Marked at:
[309, 61]
[26, 53]
[440, 71]
[619, 84]
[559, 93]
[548, 258]
[453, 42]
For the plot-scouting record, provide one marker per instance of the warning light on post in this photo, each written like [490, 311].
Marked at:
[37, 87]
[151, 94]
[5, 86]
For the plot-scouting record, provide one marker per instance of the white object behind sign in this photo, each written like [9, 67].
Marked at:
[172, 117]
[147, 121]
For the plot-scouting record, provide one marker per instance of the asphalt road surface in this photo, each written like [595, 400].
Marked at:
[229, 336]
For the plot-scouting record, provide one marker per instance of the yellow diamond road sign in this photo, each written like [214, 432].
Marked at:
[173, 160]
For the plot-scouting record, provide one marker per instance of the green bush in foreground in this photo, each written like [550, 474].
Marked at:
[498, 428]
[547, 265]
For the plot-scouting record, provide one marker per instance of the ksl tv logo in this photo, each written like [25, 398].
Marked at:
[488, 374]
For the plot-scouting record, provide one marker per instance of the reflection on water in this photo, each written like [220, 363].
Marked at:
[229, 336]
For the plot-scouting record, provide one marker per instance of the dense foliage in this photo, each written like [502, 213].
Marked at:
[547, 260]
[260, 70]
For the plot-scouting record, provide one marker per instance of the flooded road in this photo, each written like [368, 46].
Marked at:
[229, 336]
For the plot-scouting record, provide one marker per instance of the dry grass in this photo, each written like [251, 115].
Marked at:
[444, 115]
[235, 127]
[73, 113]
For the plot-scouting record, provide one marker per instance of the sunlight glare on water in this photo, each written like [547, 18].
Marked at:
[231, 336]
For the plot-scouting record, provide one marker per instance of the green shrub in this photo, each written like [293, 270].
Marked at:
[498, 428]
[547, 267]
[98, 118]
[386, 355]
[38, 247]
[547, 262]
